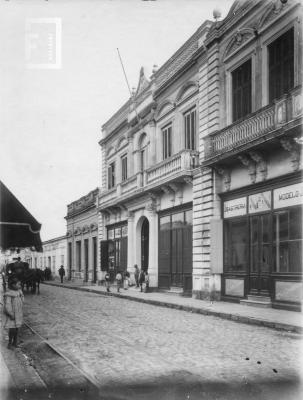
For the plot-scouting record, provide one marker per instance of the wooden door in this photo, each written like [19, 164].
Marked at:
[260, 254]
[145, 244]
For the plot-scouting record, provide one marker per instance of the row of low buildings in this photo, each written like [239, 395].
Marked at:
[201, 169]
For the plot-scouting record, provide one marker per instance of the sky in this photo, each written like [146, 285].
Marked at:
[61, 80]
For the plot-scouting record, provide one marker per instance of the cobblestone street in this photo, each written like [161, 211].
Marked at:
[143, 350]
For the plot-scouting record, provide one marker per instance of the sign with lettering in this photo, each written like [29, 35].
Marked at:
[235, 208]
[259, 202]
[288, 196]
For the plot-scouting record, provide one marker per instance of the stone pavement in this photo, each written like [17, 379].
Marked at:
[150, 352]
[134, 350]
[272, 318]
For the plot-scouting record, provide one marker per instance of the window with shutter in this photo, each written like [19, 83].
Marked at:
[281, 65]
[241, 91]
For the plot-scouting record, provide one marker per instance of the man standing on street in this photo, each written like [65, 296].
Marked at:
[61, 273]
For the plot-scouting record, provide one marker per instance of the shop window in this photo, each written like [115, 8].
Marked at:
[287, 240]
[111, 175]
[124, 168]
[236, 245]
[281, 65]
[166, 136]
[190, 129]
[241, 91]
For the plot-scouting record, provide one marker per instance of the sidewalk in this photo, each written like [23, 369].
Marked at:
[290, 321]
[18, 378]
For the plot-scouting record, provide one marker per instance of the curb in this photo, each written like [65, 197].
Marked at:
[160, 303]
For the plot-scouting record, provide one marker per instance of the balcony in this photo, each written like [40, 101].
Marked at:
[172, 169]
[263, 125]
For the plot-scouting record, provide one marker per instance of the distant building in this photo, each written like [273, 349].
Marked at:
[53, 256]
[82, 238]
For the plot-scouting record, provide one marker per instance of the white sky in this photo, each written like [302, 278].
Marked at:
[50, 119]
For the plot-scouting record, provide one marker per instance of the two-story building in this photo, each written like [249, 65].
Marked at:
[82, 238]
[252, 169]
[150, 152]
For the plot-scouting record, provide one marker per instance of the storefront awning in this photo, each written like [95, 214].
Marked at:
[18, 228]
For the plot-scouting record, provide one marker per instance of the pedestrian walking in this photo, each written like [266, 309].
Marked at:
[61, 273]
[13, 310]
[107, 281]
[126, 280]
[119, 281]
[141, 279]
[136, 274]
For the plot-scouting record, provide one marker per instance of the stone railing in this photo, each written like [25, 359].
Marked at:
[108, 195]
[185, 160]
[254, 126]
[129, 185]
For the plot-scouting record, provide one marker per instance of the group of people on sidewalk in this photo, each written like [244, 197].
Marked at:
[123, 279]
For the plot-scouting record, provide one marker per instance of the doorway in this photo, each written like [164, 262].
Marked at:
[145, 244]
[260, 254]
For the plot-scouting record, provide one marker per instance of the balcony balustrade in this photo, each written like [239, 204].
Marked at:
[257, 125]
[179, 164]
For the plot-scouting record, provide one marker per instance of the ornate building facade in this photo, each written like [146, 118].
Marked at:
[251, 157]
[82, 238]
[150, 151]
[201, 168]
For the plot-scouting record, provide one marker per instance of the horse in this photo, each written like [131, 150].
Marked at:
[28, 277]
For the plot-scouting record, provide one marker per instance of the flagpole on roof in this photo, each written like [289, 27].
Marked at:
[131, 94]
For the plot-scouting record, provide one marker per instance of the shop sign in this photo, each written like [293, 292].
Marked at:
[259, 202]
[288, 196]
[235, 208]
[124, 231]
[110, 234]
[117, 233]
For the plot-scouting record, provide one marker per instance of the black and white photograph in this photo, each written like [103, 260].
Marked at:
[151, 200]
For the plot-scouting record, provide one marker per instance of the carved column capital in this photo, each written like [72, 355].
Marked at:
[130, 216]
[294, 149]
[250, 165]
[261, 164]
[188, 179]
[225, 173]
[168, 190]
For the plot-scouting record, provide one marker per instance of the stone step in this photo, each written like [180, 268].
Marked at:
[257, 301]
[252, 297]
[174, 290]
